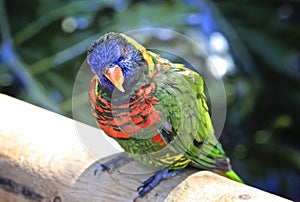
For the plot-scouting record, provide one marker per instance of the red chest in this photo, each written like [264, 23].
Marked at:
[138, 117]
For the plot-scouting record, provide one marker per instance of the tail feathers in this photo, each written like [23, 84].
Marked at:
[232, 175]
[224, 168]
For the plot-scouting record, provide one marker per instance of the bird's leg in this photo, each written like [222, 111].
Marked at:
[116, 162]
[154, 180]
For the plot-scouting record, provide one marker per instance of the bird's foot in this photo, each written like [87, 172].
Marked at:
[113, 163]
[154, 180]
[101, 167]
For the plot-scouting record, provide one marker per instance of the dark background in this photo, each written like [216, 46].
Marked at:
[43, 45]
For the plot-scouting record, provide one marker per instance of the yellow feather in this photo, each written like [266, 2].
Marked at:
[145, 53]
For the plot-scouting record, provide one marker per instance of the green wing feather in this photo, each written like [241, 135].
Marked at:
[183, 106]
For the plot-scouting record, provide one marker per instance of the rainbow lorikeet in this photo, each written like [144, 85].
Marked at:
[155, 109]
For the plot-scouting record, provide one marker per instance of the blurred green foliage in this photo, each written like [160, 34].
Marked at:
[43, 45]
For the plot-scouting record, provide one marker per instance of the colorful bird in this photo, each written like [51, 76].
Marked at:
[155, 109]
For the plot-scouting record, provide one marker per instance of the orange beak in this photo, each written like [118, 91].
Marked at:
[115, 75]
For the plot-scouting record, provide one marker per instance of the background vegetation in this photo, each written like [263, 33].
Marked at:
[43, 45]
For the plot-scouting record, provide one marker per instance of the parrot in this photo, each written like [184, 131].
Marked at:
[154, 109]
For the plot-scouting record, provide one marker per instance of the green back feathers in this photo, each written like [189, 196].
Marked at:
[183, 104]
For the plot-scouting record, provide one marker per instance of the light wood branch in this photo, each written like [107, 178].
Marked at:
[44, 158]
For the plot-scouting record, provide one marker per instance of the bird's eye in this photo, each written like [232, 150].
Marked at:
[124, 50]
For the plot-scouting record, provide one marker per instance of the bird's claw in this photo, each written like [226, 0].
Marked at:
[114, 163]
[154, 180]
[144, 184]
[102, 167]
[145, 187]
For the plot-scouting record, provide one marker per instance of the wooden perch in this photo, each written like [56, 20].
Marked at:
[42, 158]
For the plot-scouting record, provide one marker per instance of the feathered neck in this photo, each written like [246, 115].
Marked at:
[157, 64]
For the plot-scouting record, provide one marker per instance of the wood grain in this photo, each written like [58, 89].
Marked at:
[208, 187]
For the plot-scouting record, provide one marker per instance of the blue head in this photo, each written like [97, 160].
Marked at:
[117, 63]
